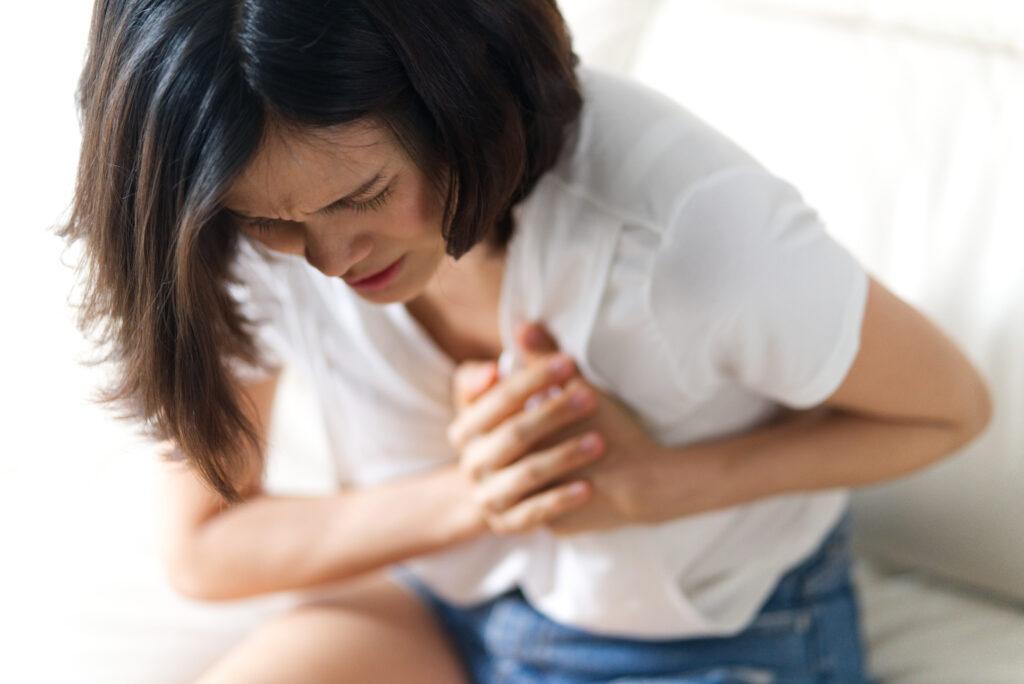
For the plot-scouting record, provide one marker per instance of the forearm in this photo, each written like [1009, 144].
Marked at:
[820, 449]
[272, 543]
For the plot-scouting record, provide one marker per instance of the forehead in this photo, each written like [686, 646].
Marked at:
[298, 171]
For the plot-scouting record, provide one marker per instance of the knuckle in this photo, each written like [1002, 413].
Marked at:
[517, 524]
[573, 455]
[578, 383]
[536, 375]
[533, 473]
[489, 501]
[537, 516]
[506, 394]
[454, 433]
[503, 525]
[537, 417]
[560, 499]
[478, 457]
[518, 520]
[571, 498]
[519, 431]
[577, 445]
[471, 467]
[496, 524]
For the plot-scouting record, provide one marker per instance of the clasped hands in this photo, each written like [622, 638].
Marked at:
[574, 461]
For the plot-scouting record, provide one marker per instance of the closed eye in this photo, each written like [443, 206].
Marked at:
[264, 225]
[368, 205]
[261, 225]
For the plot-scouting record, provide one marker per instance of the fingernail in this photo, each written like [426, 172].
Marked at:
[578, 489]
[590, 443]
[534, 337]
[581, 399]
[560, 365]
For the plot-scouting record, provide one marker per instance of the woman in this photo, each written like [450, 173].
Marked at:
[381, 191]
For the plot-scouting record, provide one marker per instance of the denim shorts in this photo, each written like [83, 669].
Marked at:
[808, 630]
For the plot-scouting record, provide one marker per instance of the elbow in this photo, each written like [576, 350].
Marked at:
[986, 408]
[982, 408]
[186, 577]
[977, 411]
[188, 583]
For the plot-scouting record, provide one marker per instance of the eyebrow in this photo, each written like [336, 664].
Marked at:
[338, 203]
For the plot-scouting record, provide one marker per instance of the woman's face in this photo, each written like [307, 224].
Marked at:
[350, 202]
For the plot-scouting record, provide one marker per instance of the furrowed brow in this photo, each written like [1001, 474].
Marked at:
[363, 189]
[354, 195]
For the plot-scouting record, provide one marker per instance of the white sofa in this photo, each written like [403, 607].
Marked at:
[899, 119]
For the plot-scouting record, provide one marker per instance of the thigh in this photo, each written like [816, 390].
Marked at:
[370, 630]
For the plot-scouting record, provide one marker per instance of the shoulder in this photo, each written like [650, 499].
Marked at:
[649, 196]
[636, 153]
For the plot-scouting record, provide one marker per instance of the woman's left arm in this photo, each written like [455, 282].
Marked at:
[909, 399]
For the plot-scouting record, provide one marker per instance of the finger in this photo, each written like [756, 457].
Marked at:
[536, 345]
[507, 487]
[506, 398]
[574, 426]
[519, 434]
[471, 379]
[540, 509]
[535, 340]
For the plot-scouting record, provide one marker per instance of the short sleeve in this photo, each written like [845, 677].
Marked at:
[261, 295]
[747, 282]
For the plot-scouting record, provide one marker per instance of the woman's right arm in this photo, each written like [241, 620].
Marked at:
[213, 551]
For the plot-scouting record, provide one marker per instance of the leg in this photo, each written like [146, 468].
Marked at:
[372, 630]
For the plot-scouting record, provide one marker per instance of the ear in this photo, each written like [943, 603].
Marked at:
[470, 380]
[535, 341]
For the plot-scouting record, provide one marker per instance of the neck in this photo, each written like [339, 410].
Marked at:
[459, 306]
[472, 281]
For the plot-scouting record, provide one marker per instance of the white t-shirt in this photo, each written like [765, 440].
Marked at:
[686, 280]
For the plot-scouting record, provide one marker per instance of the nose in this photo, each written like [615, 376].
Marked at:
[335, 257]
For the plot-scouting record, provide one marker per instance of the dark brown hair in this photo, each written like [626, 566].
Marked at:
[176, 96]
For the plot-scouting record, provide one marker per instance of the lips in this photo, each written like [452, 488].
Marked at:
[371, 276]
[378, 280]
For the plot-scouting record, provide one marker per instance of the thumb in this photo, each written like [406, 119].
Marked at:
[535, 340]
[471, 379]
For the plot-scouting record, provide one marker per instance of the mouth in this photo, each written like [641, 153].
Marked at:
[379, 279]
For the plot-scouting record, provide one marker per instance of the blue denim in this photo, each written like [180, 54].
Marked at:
[807, 631]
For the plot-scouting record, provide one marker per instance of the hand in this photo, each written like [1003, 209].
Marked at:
[618, 479]
[509, 475]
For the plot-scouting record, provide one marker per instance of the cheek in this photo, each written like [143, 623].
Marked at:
[414, 215]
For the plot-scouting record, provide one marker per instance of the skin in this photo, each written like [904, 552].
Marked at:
[295, 173]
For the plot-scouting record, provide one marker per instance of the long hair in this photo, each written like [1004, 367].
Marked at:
[177, 95]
